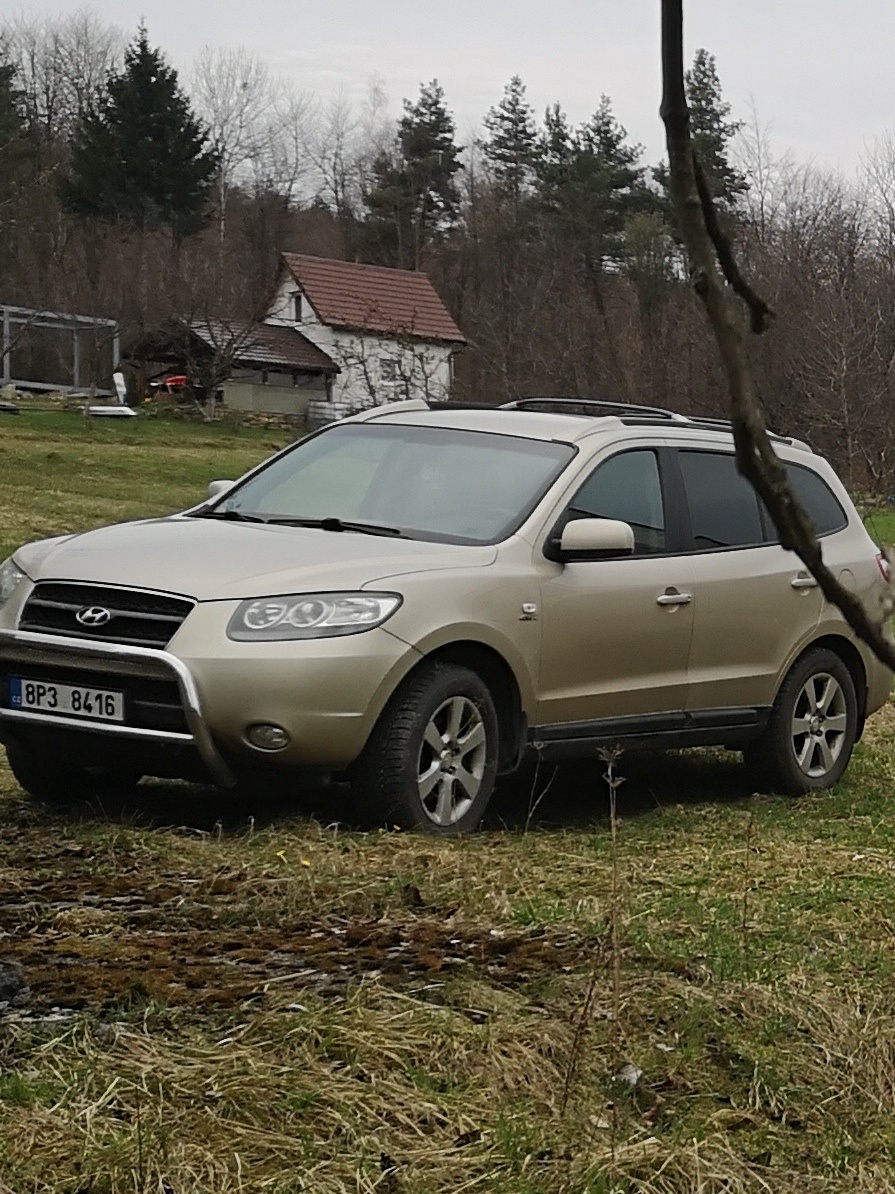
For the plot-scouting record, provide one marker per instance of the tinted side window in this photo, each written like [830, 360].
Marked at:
[817, 498]
[723, 506]
[626, 487]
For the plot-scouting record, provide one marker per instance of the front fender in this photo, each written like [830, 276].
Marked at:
[437, 609]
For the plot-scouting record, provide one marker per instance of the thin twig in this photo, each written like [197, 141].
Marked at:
[610, 756]
[534, 801]
[747, 872]
[587, 1008]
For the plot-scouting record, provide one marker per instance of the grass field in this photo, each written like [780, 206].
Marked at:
[237, 995]
[60, 472]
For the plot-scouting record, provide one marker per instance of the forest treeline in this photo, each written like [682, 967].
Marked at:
[130, 192]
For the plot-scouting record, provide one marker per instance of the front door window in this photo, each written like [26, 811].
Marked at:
[626, 487]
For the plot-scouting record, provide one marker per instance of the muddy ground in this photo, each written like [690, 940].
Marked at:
[93, 937]
[99, 925]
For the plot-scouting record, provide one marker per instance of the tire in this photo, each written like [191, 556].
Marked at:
[56, 781]
[431, 761]
[812, 729]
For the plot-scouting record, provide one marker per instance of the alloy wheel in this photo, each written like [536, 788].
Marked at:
[819, 724]
[452, 760]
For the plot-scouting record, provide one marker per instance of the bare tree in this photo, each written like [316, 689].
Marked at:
[344, 143]
[282, 163]
[234, 94]
[335, 151]
[765, 173]
[61, 62]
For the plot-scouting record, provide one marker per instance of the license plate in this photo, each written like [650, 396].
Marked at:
[72, 700]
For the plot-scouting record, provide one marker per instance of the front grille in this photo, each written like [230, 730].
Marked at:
[148, 704]
[139, 618]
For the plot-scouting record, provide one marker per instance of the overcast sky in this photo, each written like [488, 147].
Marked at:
[819, 72]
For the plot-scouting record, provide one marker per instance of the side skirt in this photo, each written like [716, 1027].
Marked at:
[654, 731]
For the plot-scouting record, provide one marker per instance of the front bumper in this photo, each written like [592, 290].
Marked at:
[326, 693]
[28, 648]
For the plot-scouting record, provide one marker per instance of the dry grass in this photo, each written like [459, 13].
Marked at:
[300, 1007]
[257, 999]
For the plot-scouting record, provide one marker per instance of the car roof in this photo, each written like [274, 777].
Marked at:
[496, 420]
[564, 420]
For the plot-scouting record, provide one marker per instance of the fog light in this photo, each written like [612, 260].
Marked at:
[267, 737]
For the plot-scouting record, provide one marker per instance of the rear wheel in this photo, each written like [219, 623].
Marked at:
[56, 780]
[431, 760]
[813, 726]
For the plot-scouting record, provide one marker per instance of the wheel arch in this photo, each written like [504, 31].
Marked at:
[501, 681]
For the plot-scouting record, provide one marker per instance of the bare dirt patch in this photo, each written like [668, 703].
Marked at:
[92, 938]
[224, 968]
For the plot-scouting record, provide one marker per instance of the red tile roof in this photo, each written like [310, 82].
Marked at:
[371, 298]
[266, 344]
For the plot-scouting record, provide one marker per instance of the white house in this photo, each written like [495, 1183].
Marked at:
[387, 333]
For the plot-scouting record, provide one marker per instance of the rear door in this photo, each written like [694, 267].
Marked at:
[753, 603]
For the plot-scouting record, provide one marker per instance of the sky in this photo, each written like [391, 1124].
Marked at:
[817, 74]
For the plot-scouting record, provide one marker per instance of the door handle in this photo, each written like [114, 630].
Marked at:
[803, 581]
[674, 597]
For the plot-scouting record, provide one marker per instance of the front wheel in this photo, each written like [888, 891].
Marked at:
[431, 760]
[812, 729]
[55, 780]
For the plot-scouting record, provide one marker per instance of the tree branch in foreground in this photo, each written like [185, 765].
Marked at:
[706, 246]
[760, 313]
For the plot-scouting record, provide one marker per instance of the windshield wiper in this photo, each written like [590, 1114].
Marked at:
[230, 516]
[323, 524]
[337, 524]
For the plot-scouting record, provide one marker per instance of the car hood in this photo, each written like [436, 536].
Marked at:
[209, 560]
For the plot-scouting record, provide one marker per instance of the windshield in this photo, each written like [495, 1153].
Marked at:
[424, 482]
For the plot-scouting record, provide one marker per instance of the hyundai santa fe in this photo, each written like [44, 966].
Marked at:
[416, 598]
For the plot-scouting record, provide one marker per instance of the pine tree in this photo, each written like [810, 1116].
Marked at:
[426, 137]
[510, 147]
[590, 183]
[140, 157]
[414, 198]
[555, 146]
[711, 131]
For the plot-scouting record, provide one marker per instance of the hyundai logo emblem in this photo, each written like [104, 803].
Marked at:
[93, 615]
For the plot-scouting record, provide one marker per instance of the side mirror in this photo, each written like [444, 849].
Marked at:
[216, 488]
[593, 539]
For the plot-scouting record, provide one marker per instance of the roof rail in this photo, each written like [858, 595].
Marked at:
[456, 404]
[706, 424]
[594, 406]
[631, 413]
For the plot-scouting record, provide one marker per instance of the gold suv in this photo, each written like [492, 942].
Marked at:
[418, 597]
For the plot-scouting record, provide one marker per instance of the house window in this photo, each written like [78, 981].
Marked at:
[296, 306]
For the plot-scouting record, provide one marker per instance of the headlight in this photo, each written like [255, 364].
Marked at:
[11, 577]
[310, 615]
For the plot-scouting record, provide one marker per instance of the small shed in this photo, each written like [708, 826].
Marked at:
[254, 367]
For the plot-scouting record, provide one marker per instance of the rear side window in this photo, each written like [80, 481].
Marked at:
[626, 487]
[723, 506]
[820, 502]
